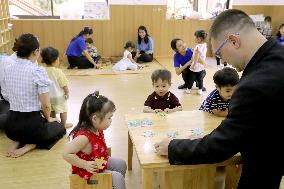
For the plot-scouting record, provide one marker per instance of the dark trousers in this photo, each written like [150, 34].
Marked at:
[196, 76]
[32, 128]
[218, 60]
[81, 62]
[4, 109]
[144, 57]
[186, 76]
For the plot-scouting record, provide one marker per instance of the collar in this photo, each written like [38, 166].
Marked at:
[24, 61]
[166, 96]
[260, 53]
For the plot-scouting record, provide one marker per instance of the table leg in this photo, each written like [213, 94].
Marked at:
[147, 178]
[130, 152]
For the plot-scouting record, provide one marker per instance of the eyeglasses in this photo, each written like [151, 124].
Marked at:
[218, 51]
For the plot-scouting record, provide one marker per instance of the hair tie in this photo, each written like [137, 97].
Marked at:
[96, 94]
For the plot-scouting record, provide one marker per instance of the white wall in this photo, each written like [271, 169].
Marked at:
[258, 2]
[138, 2]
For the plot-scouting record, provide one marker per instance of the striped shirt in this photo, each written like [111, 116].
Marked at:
[214, 102]
[23, 82]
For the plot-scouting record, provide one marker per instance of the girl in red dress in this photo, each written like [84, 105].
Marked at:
[87, 153]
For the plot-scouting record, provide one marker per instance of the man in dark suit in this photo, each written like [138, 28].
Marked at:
[254, 125]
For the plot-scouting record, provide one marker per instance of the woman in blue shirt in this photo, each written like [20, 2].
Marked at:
[182, 61]
[26, 86]
[145, 46]
[77, 53]
[280, 35]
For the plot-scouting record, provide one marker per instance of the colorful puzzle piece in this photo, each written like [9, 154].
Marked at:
[148, 134]
[100, 162]
[162, 114]
[146, 123]
[172, 134]
[197, 131]
[140, 123]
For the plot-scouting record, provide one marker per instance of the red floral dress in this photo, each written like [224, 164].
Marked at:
[99, 150]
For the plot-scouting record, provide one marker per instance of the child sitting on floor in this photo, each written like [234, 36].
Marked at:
[87, 153]
[59, 92]
[127, 63]
[218, 100]
[161, 99]
[92, 50]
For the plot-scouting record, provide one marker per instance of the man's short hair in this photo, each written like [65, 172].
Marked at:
[230, 19]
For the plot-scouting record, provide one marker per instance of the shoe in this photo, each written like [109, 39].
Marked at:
[187, 91]
[182, 86]
[203, 89]
[196, 84]
[70, 67]
[199, 92]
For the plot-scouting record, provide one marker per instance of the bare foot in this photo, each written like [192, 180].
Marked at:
[68, 125]
[21, 151]
[14, 146]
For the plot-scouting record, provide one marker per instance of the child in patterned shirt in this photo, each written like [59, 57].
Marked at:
[218, 100]
[87, 152]
[92, 50]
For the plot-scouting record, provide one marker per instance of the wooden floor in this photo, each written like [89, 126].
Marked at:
[43, 169]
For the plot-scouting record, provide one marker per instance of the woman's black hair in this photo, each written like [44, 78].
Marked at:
[200, 34]
[25, 44]
[93, 104]
[278, 33]
[49, 55]
[85, 31]
[129, 44]
[146, 39]
[174, 43]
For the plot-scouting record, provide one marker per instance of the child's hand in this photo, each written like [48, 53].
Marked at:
[167, 110]
[98, 66]
[158, 110]
[188, 64]
[66, 96]
[90, 166]
[51, 119]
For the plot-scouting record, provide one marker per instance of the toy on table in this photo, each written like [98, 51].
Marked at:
[172, 134]
[148, 134]
[140, 123]
[196, 133]
[162, 114]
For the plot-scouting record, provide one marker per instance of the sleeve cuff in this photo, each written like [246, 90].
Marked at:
[42, 90]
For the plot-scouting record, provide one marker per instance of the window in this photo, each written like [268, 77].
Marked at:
[63, 9]
[198, 9]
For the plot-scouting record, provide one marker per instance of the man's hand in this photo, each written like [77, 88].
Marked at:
[162, 147]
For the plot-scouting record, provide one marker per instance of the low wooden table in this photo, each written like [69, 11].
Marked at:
[182, 122]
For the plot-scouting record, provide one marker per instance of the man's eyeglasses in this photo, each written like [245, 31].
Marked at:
[218, 51]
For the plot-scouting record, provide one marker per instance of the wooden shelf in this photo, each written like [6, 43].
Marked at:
[6, 36]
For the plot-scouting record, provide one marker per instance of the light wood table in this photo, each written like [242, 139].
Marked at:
[182, 122]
